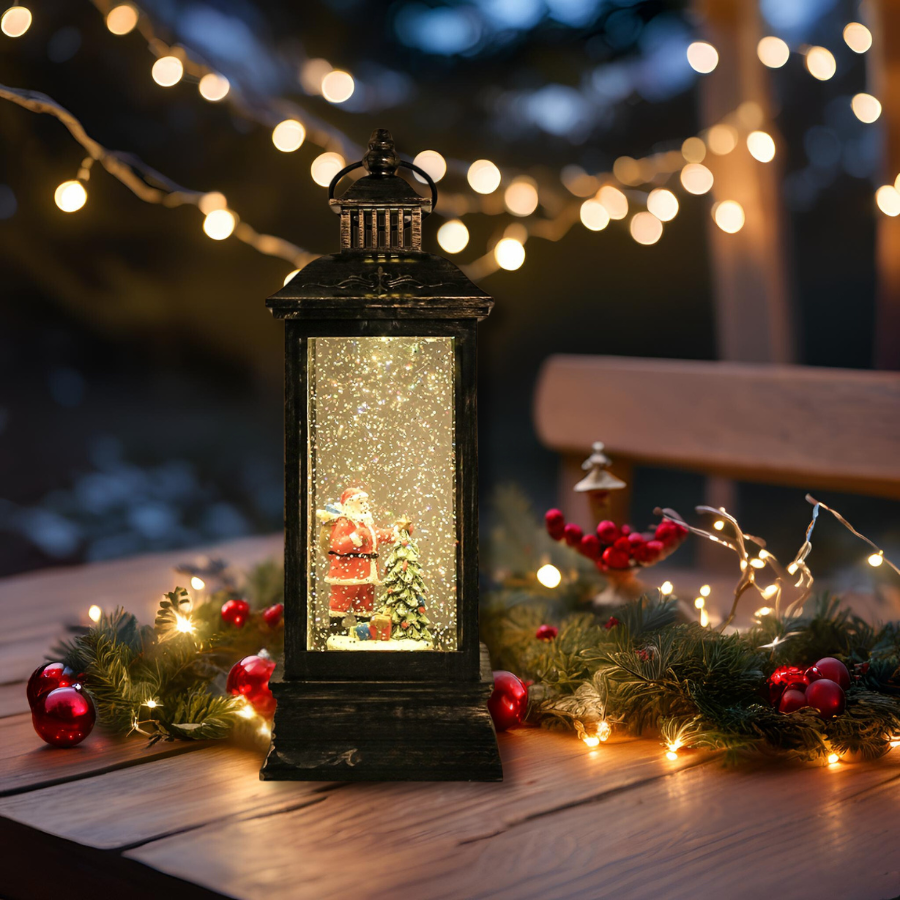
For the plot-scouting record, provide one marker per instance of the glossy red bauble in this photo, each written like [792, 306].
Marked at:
[64, 717]
[590, 546]
[573, 534]
[249, 678]
[555, 522]
[235, 612]
[273, 615]
[608, 532]
[827, 697]
[834, 670]
[508, 702]
[546, 632]
[784, 678]
[792, 700]
[48, 678]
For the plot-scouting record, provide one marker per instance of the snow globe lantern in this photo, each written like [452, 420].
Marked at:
[383, 676]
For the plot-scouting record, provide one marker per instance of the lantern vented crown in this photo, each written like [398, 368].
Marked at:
[381, 212]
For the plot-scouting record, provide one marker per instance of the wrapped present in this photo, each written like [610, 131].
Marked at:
[380, 627]
[362, 632]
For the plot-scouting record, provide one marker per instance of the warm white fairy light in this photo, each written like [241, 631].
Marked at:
[325, 166]
[761, 146]
[613, 201]
[214, 87]
[15, 21]
[94, 613]
[718, 524]
[521, 197]
[219, 224]
[773, 52]
[483, 176]
[453, 236]
[70, 196]
[197, 583]
[666, 588]
[820, 63]
[337, 86]
[704, 618]
[183, 624]
[702, 57]
[167, 71]
[663, 204]
[770, 591]
[593, 733]
[604, 730]
[289, 135]
[693, 150]
[699, 602]
[645, 228]
[888, 199]
[705, 590]
[122, 19]
[212, 200]
[433, 163]
[875, 560]
[290, 275]
[866, 108]
[833, 759]
[757, 563]
[857, 37]
[509, 253]
[549, 576]
[729, 216]
[151, 704]
[594, 215]
[696, 178]
[722, 139]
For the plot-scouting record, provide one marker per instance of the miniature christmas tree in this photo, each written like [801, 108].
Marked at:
[405, 598]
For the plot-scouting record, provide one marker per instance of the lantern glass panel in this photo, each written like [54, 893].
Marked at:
[381, 451]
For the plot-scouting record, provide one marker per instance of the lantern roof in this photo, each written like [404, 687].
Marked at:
[381, 270]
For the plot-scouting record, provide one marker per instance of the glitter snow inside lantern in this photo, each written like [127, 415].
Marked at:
[383, 677]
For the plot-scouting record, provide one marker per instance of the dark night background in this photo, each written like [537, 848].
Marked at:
[140, 373]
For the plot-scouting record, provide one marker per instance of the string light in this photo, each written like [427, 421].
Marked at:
[151, 704]
[549, 576]
[702, 57]
[214, 87]
[431, 162]
[696, 178]
[197, 583]
[288, 136]
[770, 591]
[212, 200]
[509, 253]
[672, 749]
[219, 224]
[70, 196]
[183, 624]
[613, 201]
[820, 63]
[325, 166]
[888, 199]
[15, 21]
[857, 37]
[122, 19]
[94, 613]
[699, 602]
[167, 71]
[876, 559]
[722, 139]
[833, 759]
[645, 228]
[761, 146]
[594, 215]
[729, 216]
[593, 734]
[337, 86]
[312, 72]
[663, 204]
[705, 590]
[521, 197]
[704, 618]
[718, 524]
[866, 108]
[453, 236]
[666, 588]
[483, 176]
[693, 150]
[773, 52]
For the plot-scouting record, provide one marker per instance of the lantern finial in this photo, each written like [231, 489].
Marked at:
[381, 157]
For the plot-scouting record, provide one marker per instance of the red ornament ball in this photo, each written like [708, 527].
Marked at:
[590, 546]
[555, 523]
[573, 534]
[827, 697]
[508, 702]
[616, 559]
[832, 669]
[273, 615]
[235, 612]
[792, 700]
[608, 532]
[783, 679]
[63, 717]
[48, 678]
[546, 632]
[249, 678]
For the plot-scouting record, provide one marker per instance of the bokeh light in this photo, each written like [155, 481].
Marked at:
[615, 202]
[761, 146]
[663, 204]
[820, 63]
[15, 21]
[122, 19]
[433, 163]
[219, 224]
[325, 166]
[453, 236]
[857, 37]
[866, 108]
[212, 200]
[312, 73]
[645, 228]
[483, 176]
[288, 135]
[70, 196]
[693, 150]
[521, 197]
[722, 139]
[549, 576]
[729, 216]
[696, 178]
[214, 87]
[594, 215]
[773, 52]
[627, 170]
[702, 57]
[167, 71]
[509, 253]
[338, 86]
[888, 199]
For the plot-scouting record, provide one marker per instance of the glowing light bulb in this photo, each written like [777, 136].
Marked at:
[219, 224]
[290, 275]
[337, 86]
[197, 583]
[212, 200]
[763, 611]
[722, 139]
[693, 150]
[696, 178]
[151, 704]
[833, 759]
[699, 602]
[183, 624]
[167, 71]
[702, 57]
[757, 564]
[663, 204]
[289, 135]
[509, 253]
[70, 196]
[431, 162]
[671, 754]
[773, 52]
[866, 108]
[94, 613]
[15, 21]
[820, 63]
[549, 576]
[325, 166]
[666, 588]
[764, 554]
[705, 590]
[729, 216]
[792, 569]
[483, 176]
[770, 591]
[761, 146]
[857, 37]
[121, 19]
[875, 560]
[214, 87]
[594, 215]
[645, 228]
[888, 199]
[718, 524]
[521, 197]
[591, 740]
[614, 201]
[453, 236]
[604, 730]
[704, 618]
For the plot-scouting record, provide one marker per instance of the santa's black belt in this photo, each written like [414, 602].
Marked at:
[354, 555]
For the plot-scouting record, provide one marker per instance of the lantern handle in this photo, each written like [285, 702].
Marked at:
[359, 165]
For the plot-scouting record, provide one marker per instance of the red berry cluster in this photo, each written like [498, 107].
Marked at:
[236, 612]
[820, 686]
[614, 547]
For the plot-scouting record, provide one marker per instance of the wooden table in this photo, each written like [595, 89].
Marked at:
[194, 821]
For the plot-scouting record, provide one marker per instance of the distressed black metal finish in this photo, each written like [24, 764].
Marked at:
[356, 715]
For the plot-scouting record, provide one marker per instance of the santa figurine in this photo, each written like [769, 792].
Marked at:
[352, 543]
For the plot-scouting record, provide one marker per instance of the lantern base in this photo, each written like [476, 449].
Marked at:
[383, 731]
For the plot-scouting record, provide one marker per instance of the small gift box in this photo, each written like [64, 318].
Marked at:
[380, 628]
[362, 632]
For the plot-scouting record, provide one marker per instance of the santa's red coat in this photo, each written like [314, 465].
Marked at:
[353, 552]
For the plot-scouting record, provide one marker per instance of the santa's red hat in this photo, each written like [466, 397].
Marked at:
[350, 493]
